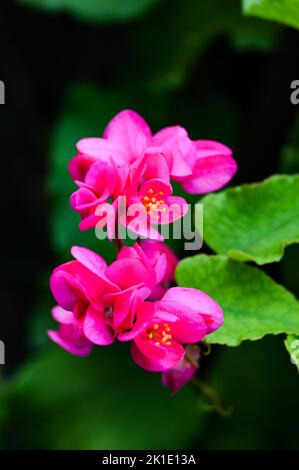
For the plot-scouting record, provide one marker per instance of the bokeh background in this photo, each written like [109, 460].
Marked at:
[68, 67]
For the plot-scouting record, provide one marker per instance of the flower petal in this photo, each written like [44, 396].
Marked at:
[66, 289]
[137, 221]
[145, 314]
[85, 202]
[188, 332]
[79, 166]
[73, 283]
[121, 303]
[128, 131]
[156, 358]
[66, 339]
[91, 260]
[128, 272]
[156, 167]
[155, 186]
[213, 168]
[153, 251]
[178, 376]
[102, 177]
[191, 304]
[176, 145]
[175, 208]
[101, 149]
[62, 316]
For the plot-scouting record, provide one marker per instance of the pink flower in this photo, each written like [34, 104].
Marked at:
[130, 161]
[124, 178]
[184, 371]
[146, 201]
[95, 299]
[175, 146]
[182, 316]
[98, 184]
[70, 335]
[160, 262]
[153, 250]
[127, 138]
[99, 303]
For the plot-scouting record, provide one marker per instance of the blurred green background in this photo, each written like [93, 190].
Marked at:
[223, 70]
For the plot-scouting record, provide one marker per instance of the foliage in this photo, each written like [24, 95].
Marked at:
[257, 221]
[254, 305]
[283, 11]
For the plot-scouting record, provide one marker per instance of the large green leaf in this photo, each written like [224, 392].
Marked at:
[292, 345]
[102, 402]
[253, 304]
[282, 11]
[254, 222]
[96, 10]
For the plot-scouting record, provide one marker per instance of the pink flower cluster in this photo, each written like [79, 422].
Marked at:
[133, 298]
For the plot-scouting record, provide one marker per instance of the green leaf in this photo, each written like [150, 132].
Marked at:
[254, 222]
[292, 345]
[282, 11]
[253, 304]
[95, 10]
[101, 402]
